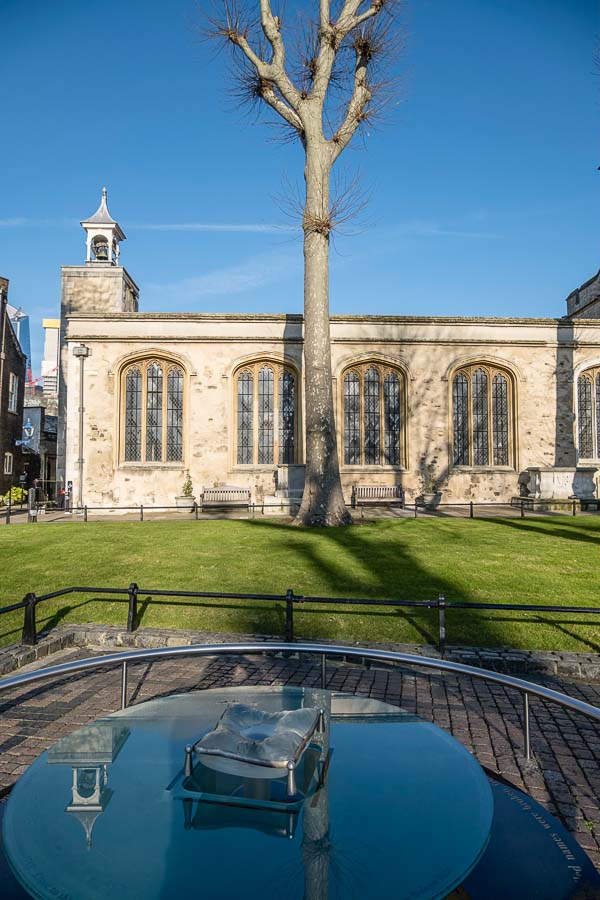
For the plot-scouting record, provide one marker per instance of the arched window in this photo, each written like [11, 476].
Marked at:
[152, 420]
[482, 403]
[588, 414]
[373, 396]
[266, 404]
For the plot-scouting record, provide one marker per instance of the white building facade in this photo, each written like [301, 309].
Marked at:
[473, 402]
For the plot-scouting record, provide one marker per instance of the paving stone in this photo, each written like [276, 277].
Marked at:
[564, 775]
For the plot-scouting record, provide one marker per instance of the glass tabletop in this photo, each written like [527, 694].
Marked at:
[385, 805]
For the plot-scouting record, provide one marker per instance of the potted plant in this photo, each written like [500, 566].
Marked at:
[430, 484]
[186, 499]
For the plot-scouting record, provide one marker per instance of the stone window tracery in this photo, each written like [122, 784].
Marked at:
[152, 419]
[588, 414]
[266, 411]
[482, 403]
[373, 400]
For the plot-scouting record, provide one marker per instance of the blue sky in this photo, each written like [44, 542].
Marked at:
[483, 184]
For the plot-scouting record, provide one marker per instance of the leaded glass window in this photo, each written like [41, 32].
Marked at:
[481, 417]
[372, 417]
[152, 412]
[588, 414]
[266, 410]
[154, 389]
[133, 416]
[287, 411]
[266, 415]
[175, 415]
[500, 419]
[460, 399]
[392, 419]
[373, 398]
[351, 419]
[245, 402]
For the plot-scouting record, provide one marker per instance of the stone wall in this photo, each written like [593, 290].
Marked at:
[98, 288]
[11, 423]
[584, 302]
[540, 354]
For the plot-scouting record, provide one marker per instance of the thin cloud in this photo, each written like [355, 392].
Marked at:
[245, 228]
[257, 272]
[24, 222]
[14, 223]
[425, 229]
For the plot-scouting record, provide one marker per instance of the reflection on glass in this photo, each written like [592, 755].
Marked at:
[89, 751]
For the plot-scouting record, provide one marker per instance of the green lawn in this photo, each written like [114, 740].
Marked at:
[535, 560]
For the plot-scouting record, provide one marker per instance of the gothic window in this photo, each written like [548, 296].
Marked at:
[152, 423]
[482, 417]
[588, 414]
[287, 412]
[373, 397]
[266, 398]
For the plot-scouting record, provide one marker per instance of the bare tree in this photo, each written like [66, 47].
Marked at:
[321, 81]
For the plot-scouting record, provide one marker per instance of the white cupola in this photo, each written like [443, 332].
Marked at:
[103, 236]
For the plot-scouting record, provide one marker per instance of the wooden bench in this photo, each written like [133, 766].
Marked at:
[377, 495]
[224, 497]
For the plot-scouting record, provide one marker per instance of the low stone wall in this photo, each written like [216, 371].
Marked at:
[585, 666]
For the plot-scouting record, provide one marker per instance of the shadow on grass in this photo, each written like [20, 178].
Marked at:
[372, 560]
[569, 529]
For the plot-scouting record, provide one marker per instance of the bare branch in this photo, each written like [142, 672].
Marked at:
[357, 106]
[351, 18]
[348, 201]
[272, 29]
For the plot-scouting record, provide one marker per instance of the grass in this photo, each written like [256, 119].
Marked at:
[533, 560]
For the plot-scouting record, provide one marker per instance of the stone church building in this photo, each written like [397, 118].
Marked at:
[491, 408]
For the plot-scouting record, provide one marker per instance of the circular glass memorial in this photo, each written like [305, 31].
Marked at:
[269, 793]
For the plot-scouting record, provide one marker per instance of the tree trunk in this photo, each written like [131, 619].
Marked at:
[322, 501]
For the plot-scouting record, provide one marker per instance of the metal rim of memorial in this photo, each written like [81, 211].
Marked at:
[361, 654]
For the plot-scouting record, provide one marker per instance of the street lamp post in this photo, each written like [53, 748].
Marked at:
[81, 352]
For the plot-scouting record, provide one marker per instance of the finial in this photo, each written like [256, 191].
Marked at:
[104, 194]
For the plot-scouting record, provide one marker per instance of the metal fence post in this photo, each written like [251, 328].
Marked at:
[289, 616]
[141, 512]
[8, 510]
[196, 511]
[29, 634]
[415, 509]
[441, 604]
[471, 511]
[574, 507]
[323, 671]
[522, 510]
[526, 725]
[85, 513]
[132, 592]
[124, 686]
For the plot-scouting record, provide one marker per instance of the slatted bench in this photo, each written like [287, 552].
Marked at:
[377, 495]
[224, 497]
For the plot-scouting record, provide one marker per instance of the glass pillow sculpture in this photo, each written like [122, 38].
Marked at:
[249, 734]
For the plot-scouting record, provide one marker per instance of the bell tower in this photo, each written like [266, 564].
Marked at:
[103, 236]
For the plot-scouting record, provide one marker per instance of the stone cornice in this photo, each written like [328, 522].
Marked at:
[297, 317]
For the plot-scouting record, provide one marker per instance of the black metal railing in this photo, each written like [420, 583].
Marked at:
[472, 509]
[324, 651]
[130, 595]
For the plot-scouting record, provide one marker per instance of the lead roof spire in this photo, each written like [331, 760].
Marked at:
[103, 235]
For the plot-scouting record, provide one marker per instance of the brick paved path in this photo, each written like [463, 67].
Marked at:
[486, 718]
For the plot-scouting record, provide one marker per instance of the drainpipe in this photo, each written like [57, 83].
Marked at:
[81, 352]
